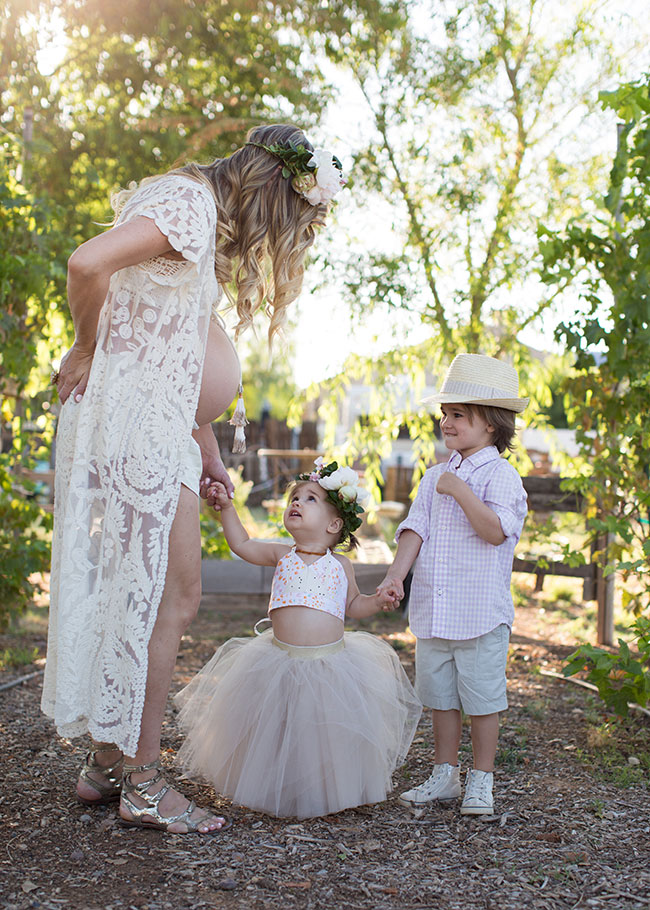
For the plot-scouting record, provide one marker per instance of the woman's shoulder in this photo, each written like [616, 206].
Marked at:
[180, 189]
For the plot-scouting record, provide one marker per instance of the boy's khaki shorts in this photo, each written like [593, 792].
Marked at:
[451, 674]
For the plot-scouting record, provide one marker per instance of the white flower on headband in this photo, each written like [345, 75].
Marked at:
[344, 481]
[316, 176]
[328, 177]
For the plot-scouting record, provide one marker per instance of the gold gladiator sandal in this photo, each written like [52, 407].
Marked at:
[108, 790]
[149, 816]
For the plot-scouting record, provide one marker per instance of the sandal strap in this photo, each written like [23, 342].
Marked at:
[130, 769]
[152, 800]
[111, 773]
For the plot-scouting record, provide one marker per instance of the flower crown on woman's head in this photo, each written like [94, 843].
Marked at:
[316, 176]
[343, 491]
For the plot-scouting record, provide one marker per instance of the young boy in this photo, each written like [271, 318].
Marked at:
[462, 529]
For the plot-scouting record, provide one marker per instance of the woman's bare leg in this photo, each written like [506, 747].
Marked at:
[177, 609]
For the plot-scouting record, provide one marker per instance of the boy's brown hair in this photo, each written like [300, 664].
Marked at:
[501, 419]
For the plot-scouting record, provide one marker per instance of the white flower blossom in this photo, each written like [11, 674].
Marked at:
[339, 478]
[328, 178]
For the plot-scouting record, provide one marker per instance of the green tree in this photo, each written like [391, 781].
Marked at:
[135, 93]
[30, 285]
[607, 257]
[138, 88]
[479, 123]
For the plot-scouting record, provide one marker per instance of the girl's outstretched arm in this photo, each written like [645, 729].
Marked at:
[361, 605]
[257, 552]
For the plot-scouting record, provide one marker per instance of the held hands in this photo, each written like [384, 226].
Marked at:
[215, 474]
[74, 372]
[389, 593]
[218, 497]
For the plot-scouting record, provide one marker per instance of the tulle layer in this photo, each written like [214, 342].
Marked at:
[300, 731]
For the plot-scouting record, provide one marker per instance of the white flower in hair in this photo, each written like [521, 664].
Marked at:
[339, 478]
[328, 178]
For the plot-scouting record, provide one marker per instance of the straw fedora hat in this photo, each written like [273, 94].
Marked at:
[477, 379]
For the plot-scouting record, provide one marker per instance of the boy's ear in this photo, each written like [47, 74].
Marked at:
[490, 429]
[335, 526]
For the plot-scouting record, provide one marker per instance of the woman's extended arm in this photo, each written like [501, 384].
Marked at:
[89, 273]
[213, 467]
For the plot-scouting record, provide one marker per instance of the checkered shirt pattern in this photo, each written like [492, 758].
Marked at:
[461, 583]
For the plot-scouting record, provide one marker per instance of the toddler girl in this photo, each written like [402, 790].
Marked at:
[303, 719]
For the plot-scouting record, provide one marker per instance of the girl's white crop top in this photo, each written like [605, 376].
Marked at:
[322, 585]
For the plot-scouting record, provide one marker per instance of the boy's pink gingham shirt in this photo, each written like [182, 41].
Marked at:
[461, 583]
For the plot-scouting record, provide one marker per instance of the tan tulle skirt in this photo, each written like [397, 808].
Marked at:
[299, 731]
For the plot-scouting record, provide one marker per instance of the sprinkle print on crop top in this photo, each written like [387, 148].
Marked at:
[322, 585]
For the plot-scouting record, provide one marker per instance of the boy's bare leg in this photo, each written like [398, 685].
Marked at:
[447, 726]
[485, 737]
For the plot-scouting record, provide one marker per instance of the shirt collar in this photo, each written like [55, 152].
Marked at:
[487, 453]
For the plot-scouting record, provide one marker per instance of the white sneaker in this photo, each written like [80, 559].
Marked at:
[478, 794]
[444, 783]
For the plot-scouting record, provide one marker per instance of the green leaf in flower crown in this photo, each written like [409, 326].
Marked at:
[286, 172]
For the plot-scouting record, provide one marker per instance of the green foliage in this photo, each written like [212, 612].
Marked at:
[132, 95]
[31, 276]
[607, 393]
[468, 107]
[30, 284]
[24, 544]
[607, 256]
[621, 678]
[11, 658]
[135, 93]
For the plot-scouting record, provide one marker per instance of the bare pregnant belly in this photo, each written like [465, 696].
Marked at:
[221, 373]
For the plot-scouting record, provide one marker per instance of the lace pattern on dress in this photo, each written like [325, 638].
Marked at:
[117, 473]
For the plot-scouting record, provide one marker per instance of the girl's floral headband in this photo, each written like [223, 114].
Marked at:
[317, 176]
[343, 491]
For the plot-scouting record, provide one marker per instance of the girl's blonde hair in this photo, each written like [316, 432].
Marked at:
[264, 227]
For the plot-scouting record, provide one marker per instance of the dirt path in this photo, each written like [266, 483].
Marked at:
[565, 834]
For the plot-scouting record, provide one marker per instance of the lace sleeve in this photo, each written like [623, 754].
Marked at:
[183, 209]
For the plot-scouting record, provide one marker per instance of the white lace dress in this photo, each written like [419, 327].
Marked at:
[118, 458]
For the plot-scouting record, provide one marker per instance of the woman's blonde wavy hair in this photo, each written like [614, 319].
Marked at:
[264, 227]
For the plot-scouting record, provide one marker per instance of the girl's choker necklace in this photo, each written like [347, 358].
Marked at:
[310, 552]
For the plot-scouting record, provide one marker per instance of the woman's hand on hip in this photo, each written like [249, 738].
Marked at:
[74, 372]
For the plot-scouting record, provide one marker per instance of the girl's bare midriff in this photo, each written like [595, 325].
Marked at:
[305, 626]
[221, 373]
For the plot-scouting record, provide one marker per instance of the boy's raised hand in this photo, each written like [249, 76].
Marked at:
[449, 483]
[217, 496]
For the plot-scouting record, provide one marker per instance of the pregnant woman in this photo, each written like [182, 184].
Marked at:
[151, 366]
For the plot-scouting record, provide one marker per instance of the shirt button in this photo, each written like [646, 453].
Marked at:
[439, 592]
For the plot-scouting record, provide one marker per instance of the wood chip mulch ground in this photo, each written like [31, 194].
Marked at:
[565, 834]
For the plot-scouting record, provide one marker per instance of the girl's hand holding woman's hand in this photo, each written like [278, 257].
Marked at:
[74, 372]
[214, 471]
[218, 497]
